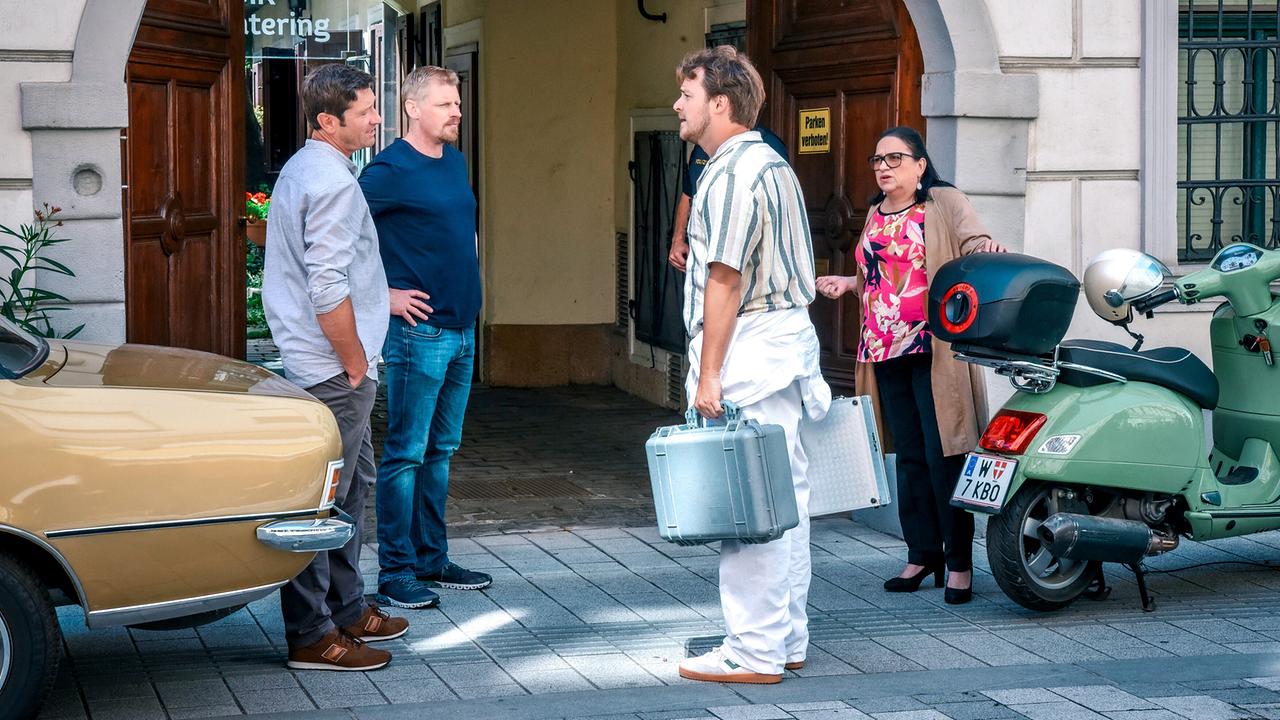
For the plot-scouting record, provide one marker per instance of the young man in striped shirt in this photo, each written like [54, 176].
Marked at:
[749, 284]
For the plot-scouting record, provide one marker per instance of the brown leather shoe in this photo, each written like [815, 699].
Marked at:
[338, 651]
[376, 625]
[797, 665]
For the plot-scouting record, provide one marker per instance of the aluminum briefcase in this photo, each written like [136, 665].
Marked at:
[846, 463]
[723, 481]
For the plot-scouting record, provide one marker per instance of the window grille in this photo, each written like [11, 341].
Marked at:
[1228, 126]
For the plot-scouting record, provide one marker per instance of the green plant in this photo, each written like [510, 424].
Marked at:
[257, 205]
[29, 306]
[255, 316]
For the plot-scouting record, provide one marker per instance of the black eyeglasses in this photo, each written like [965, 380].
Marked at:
[890, 160]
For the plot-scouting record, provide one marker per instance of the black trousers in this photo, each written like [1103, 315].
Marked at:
[926, 478]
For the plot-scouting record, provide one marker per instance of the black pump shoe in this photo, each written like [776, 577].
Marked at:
[958, 596]
[910, 584]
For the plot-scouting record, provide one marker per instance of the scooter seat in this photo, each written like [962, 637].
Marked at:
[1175, 368]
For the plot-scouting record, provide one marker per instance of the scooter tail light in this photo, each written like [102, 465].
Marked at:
[1011, 431]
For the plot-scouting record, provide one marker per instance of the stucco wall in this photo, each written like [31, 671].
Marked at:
[547, 74]
[1083, 192]
[32, 49]
[457, 12]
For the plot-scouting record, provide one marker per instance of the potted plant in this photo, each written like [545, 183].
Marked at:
[256, 207]
[20, 300]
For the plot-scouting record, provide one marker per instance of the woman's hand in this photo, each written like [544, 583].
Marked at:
[833, 286]
[990, 245]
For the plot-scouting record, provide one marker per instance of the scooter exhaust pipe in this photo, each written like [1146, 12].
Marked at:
[1085, 537]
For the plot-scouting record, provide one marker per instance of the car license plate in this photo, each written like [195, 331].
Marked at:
[984, 482]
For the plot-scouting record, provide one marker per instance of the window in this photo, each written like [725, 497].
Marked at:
[728, 33]
[1228, 126]
[286, 40]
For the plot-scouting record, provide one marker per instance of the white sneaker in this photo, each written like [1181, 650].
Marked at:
[715, 667]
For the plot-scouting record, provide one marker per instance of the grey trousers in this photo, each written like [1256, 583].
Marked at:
[330, 591]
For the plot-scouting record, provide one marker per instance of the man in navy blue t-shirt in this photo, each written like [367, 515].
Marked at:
[697, 161]
[425, 213]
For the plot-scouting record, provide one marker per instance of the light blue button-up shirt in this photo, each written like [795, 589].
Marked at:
[322, 248]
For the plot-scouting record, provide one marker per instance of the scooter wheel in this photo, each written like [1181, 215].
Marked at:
[1023, 568]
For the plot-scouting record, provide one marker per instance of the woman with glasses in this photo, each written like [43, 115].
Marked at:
[933, 404]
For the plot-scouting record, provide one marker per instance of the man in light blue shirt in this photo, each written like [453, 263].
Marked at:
[326, 300]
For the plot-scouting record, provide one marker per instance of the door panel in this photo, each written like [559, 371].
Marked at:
[148, 144]
[184, 170]
[188, 279]
[805, 21]
[194, 176]
[213, 12]
[859, 59]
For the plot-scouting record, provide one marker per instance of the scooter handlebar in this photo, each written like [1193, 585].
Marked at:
[1148, 304]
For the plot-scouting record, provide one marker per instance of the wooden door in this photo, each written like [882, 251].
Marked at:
[859, 60]
[184, 175]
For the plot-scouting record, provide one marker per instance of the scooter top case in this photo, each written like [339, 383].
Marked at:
[729, 481]
[1002, 301]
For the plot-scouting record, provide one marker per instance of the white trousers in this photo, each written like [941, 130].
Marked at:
[764, 587]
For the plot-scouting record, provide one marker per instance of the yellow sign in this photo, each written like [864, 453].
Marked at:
[815, 131]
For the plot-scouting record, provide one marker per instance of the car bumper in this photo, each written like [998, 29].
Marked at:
[307, 535]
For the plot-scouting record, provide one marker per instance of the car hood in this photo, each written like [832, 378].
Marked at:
[159, 368]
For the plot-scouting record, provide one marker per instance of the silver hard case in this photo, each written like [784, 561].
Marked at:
[846, 462]
[729, 481]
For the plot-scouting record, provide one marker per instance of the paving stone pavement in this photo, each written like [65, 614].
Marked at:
[590, 613]
[592, 622]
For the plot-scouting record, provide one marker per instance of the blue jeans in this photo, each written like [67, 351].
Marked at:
[428, 381]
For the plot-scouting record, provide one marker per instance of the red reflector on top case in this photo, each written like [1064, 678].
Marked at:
[962, 323]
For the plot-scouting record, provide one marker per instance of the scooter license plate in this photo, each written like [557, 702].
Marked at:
[984, 482]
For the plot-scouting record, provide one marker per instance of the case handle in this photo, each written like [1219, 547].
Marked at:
[732, 414]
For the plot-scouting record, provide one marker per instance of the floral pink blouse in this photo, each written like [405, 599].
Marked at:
[895, 287]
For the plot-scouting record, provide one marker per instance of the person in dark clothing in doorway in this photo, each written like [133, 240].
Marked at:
[425, 213]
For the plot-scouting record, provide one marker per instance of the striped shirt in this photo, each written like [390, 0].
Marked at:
[749, 214]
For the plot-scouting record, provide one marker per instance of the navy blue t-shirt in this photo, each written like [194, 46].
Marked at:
[698, 158]
[425, 213]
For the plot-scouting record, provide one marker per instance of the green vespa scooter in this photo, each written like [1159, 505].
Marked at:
[1102, 455]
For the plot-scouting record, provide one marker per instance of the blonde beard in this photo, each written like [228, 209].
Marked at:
[701, 130]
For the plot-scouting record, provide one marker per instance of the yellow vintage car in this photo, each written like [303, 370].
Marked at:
[151, 486]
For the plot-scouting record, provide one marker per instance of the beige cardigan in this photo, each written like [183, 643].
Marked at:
[952, 229]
